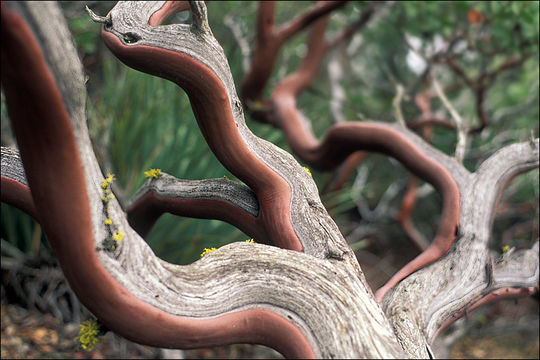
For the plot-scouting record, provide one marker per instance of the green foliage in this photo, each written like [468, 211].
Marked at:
[84, 34]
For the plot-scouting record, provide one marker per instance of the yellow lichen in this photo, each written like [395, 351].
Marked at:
[250, 241]
[119, 236]
[88, 334]
[152, 173]
[207, 250]
[309, 172]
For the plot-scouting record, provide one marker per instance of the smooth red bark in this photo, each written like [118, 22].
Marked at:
[343, 139]
[16, 194]
[268, 43]
[144, 213]
[54, 171]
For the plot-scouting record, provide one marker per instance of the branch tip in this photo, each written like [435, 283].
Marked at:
[100, 19]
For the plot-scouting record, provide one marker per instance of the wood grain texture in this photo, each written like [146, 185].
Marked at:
[277, 297]
[470, 271]
[311, 304]
[220, 199]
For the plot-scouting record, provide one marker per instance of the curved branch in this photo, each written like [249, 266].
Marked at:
[219, 199]
[468, 272]
[322, 8]
[269, 42]
[421, 122]
[341, 140]
[404, 215]
[13, 184]
[270, 172]
[261, 294]
[515, 275]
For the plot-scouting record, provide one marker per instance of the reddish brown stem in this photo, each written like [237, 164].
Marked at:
[481, 83]
[423, 101]
[497, 295]
[54, 172]
[352, 28]
[16, 194]
[404, 216]
[269, 42]
[341, 175]
[143, 214]
[170, 7]
[423, 122]
[343, 139]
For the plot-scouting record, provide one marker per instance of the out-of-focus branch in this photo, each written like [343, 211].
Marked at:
[240, 39]
[396, 104]
[404, 215]
[322, 8]
[433, 121]
[469, 272]
[269, 41]
[481, 84]
[518, 229]
[346, 34]
[342, 173]
[335, 74]
[423, 102]
[461, 145]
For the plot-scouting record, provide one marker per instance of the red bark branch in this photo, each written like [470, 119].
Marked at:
[212, 109]
[16, 194]
[54, 171]
[480, 85]
[144, 210]
[433, 121]
[497, 295]
[269, 42]
[404, 216]
[150, 202]
[340, 176]
[341, 140]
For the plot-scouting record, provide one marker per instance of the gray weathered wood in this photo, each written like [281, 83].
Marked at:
[326, 297]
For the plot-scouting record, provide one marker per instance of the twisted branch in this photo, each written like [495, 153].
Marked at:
[131, 291]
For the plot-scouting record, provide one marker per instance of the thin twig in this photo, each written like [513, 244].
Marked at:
[396, 104]
[461, 131]
[335, 74]
[100, 19]
[240, 39]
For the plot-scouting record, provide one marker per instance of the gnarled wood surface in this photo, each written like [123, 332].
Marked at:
[240, 293]
[311, 304]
